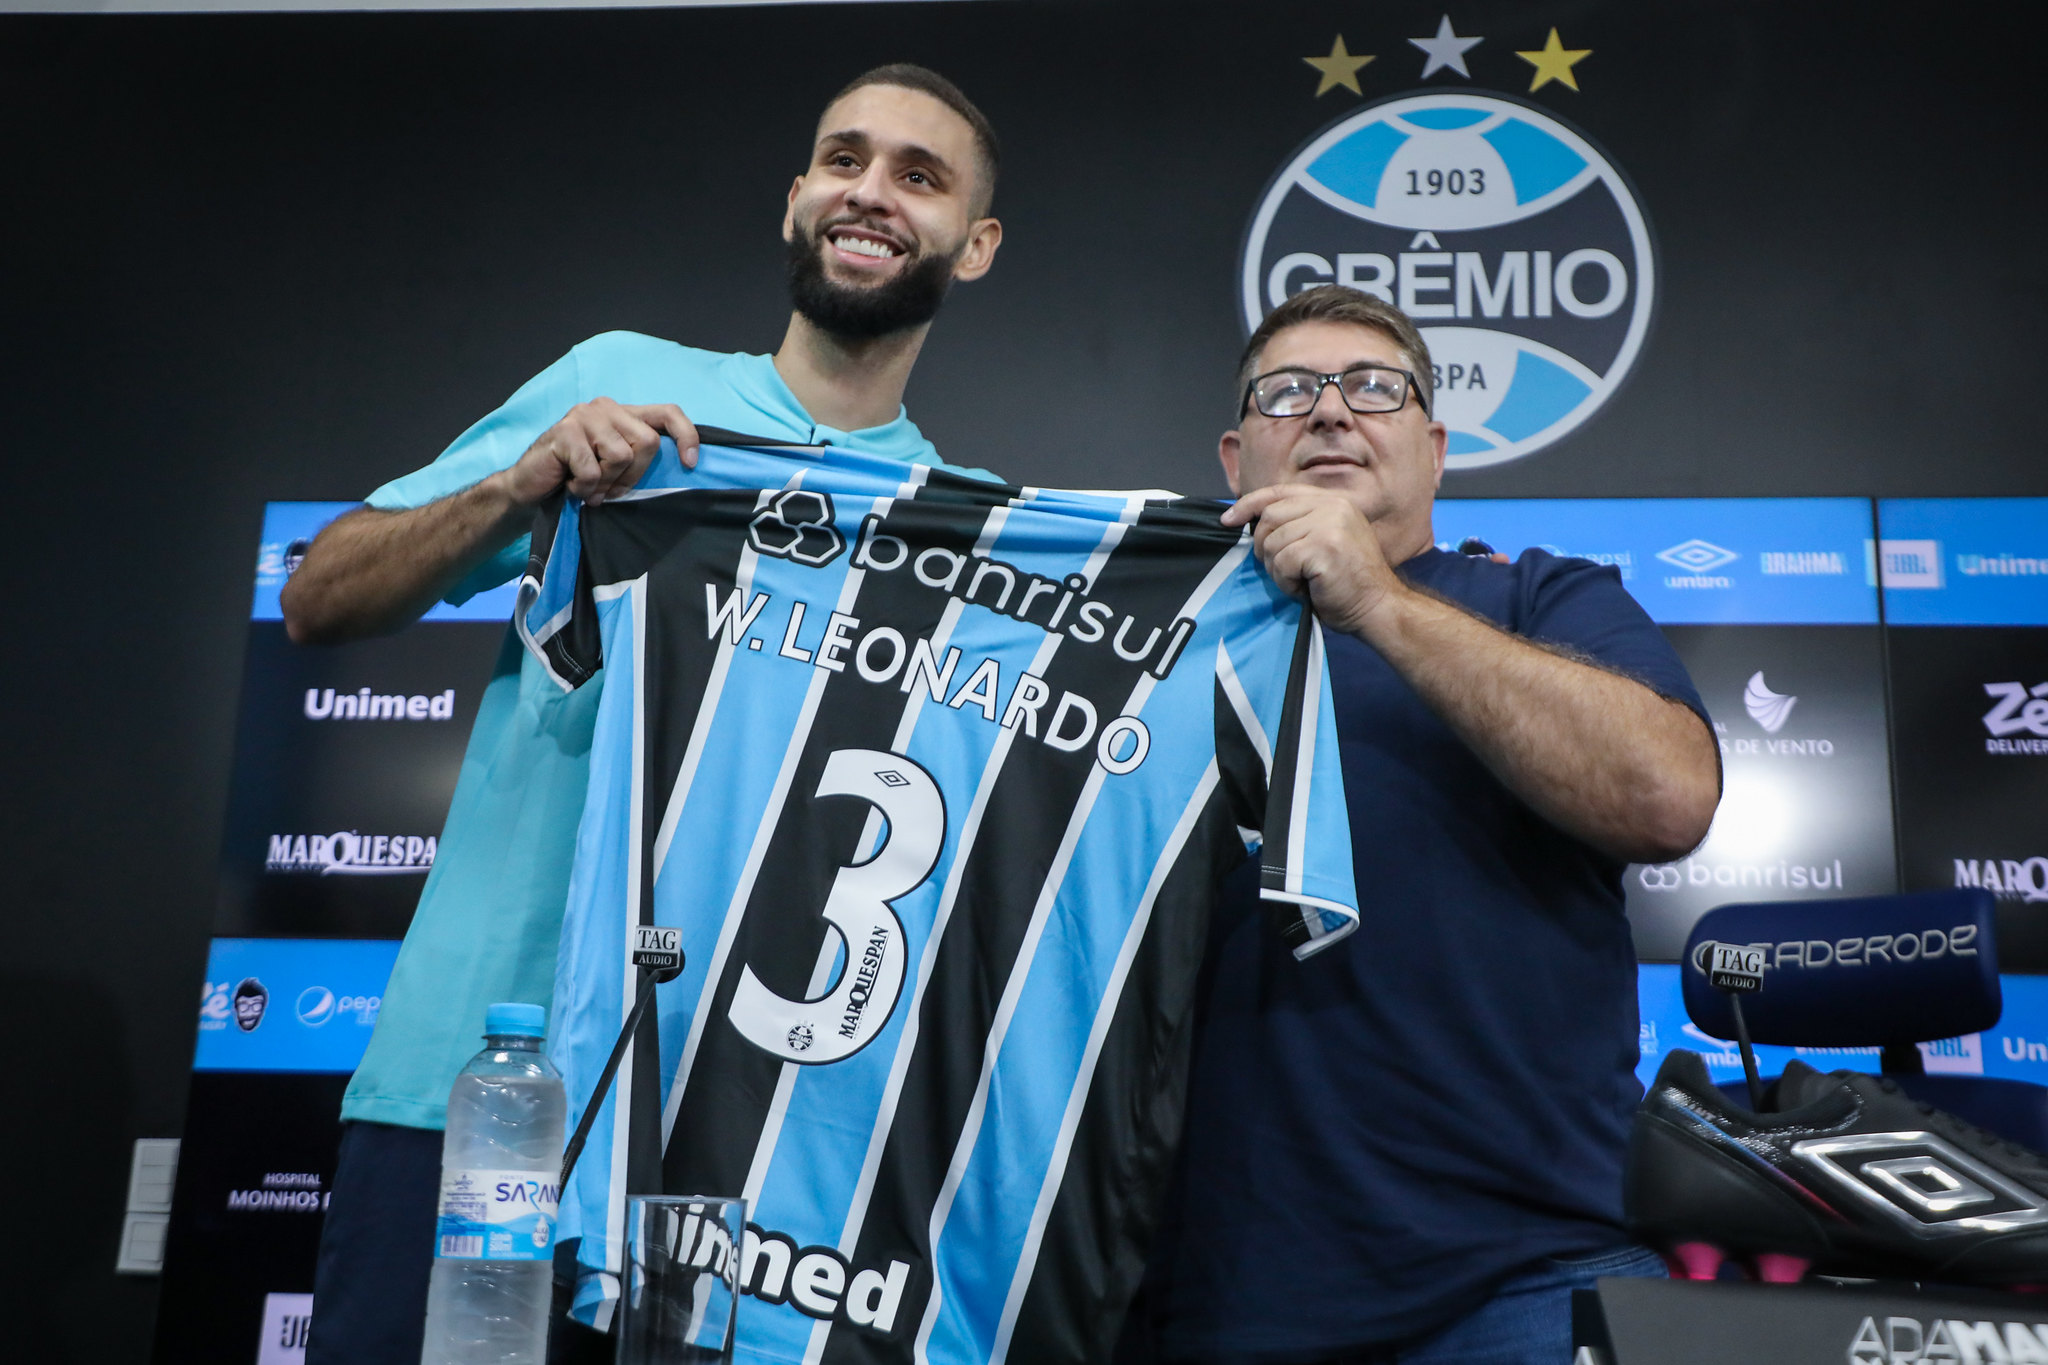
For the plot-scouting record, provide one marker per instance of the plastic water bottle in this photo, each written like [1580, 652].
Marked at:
[494, 1246]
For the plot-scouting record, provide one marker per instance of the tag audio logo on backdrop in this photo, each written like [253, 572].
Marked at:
[1510, 239]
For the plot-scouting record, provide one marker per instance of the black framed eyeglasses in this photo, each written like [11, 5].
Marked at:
[1364, 388]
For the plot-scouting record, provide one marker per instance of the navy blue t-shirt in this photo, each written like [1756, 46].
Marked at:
[1377, 1137]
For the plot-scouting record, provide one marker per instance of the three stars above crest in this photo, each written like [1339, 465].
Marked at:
[1445, 51]
[1339, 68]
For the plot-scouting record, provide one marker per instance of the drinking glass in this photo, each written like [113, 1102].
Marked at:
[681, 1283]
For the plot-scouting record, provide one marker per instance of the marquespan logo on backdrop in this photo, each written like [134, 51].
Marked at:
[1510, 239]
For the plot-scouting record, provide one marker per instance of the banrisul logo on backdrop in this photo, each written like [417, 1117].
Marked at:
[1509, 238]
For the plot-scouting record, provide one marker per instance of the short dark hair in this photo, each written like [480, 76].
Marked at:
[1340, 303]
[924, 80]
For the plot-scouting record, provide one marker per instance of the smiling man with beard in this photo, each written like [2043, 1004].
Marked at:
[892, 209]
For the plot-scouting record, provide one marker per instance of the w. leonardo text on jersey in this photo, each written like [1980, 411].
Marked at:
[882, 655]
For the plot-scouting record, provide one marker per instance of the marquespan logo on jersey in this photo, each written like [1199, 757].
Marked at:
[1510, 239]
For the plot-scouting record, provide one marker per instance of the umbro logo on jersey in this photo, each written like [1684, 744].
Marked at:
[798, 525]
[1922, 1181]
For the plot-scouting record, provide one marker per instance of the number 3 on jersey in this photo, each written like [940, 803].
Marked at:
[846, 1018]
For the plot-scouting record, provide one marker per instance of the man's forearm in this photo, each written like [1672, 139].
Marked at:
[1598, 755]
[373, 572]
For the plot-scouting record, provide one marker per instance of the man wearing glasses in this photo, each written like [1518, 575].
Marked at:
[1410, 1147]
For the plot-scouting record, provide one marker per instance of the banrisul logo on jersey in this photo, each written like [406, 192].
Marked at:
[1510, 239]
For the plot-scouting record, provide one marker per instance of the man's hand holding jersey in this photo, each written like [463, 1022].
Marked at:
[600, 448]
[1320, 548]
[375, 571]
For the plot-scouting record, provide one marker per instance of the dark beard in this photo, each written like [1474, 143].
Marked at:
[862, 314]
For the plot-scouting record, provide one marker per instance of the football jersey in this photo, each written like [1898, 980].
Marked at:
[933, 780]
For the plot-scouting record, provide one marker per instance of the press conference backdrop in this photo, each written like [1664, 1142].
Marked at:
[1787, 612]
[1689, 249]
[345, 759]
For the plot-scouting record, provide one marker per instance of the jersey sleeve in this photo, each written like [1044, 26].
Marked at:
[1277, 741]
[1584, 607]
[556, 613]
[1305, 873]
[494, 443]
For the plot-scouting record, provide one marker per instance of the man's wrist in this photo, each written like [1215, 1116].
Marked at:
[503, 499]
[1390, 617]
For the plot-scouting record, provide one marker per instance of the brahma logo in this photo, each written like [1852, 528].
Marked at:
[1801, 562]
[1510, 239]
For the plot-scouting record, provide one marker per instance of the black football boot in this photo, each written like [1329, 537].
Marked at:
[1842, 1173]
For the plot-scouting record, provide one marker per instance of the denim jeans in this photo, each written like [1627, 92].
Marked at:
[1528, 1321]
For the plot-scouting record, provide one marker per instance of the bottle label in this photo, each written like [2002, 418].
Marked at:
[496, 1216]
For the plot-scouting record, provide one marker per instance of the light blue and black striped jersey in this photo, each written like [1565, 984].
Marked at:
[934, 778]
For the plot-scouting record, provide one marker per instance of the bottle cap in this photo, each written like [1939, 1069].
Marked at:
[529, 1021]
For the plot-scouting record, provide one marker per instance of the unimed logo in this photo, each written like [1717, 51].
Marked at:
[362, 704]
[348, 853]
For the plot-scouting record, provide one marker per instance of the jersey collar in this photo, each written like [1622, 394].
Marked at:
[755, 378]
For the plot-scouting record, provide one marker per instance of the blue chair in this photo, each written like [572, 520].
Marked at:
[1874, 971]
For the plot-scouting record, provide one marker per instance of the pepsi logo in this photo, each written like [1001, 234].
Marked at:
[315, 1006]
